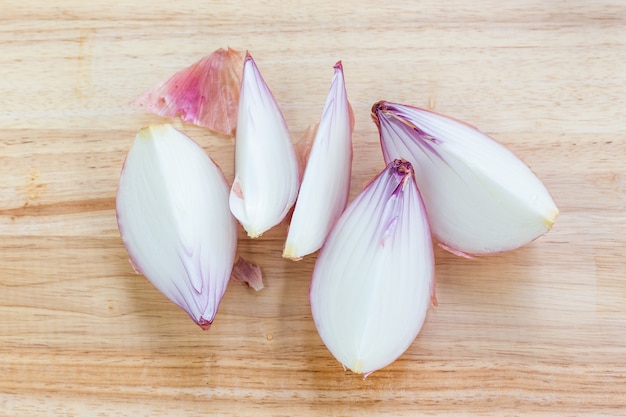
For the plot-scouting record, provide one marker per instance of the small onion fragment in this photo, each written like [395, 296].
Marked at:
[480, 197]
[266, 168]
[373, 281]
[325, 186]
[205, 94]
[244, 271]
[173, 216]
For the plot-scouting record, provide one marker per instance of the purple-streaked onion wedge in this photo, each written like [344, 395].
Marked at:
[173, 216]
[373, 281]
[480, 197]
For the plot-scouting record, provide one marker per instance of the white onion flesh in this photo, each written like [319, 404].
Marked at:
[266, 169]
[480, 197]
[173, 216]
[374, 278]
[325, 186]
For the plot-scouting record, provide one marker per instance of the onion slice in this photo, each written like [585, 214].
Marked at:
[480, 197]
[266, 168]
[325, 186]
[173, 216]
[373, 281]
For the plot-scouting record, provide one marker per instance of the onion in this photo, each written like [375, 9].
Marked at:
[373, 281]
[325, 186]
[173, 216]
[266, 169]
[479, 196]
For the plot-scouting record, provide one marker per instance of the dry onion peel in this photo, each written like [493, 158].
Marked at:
[205, 94]
[480, 197]
[325, 186]
[173, 216]
[266, 168]
[303, 147]
[373, 281]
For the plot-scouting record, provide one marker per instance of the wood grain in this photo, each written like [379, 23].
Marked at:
[538, 331]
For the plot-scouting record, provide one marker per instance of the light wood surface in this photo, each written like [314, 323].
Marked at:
[538, 331]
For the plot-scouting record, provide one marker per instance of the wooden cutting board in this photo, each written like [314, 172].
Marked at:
[537, 331]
